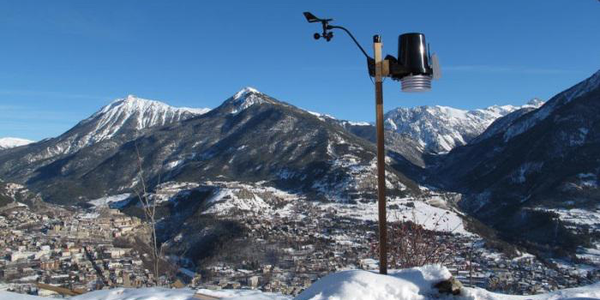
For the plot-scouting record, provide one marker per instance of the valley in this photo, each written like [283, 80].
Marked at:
[276, 242]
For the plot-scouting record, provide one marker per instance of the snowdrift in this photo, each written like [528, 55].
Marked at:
[408, 284]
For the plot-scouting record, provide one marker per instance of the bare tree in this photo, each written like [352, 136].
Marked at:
[470, 253]
[410, 244]
[149, 209]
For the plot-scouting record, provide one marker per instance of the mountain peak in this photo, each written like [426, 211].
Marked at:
[133, 102]
[243, 93]
[245, 98]
[536, 102]
[129, 114]
[11, 142]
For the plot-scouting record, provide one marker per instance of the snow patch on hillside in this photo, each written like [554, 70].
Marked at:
[322, 117]
[230, 196]
[575, 216]
[108, 201]
[405, 209]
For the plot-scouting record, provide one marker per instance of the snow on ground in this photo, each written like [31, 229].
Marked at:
[244, 295]
[413, 283]
[225, 200]
[138, 294]
[407, 284]
[245, 197]
[408, 209]
[106, 201]
[590, 254]
[578, 216]
[575, 218]
[582, 293]
[15, 296]
[169, 191]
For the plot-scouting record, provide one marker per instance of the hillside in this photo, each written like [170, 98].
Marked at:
[529, 169]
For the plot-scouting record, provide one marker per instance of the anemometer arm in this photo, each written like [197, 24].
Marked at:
[352, 37]
[327, 35]
[410, 66]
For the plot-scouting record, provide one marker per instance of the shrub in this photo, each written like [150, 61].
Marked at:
[412, 245]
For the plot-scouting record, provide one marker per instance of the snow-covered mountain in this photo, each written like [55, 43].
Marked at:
[440, 128]
[250, 137]
[122, 119]
[528, 168]
[125, 115]
[243, 99]
[11, 142]
[138, 113]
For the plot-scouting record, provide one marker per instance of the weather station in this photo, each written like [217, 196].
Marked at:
[415, 68]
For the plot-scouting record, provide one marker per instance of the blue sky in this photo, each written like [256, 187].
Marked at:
[63, 60]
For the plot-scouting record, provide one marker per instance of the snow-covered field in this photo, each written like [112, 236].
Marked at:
[576, 216]
[408, 209]
[107, 201]
[433, 212]
[250, 198]
[408, 284]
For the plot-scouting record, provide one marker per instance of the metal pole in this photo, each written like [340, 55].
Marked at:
[380, 155]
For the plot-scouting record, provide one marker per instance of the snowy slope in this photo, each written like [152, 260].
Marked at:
[558, 101]
[250, 137]
[425, 213]
[407, 284]
[123, 118]
[135, 113]
[415, 284]
[441, 128]
[10, 142]
[532, 167]
[244, 99]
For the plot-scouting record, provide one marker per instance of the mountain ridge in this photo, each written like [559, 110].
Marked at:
[439, 129]
[530, 165]
[12, 142]
[249, 137]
